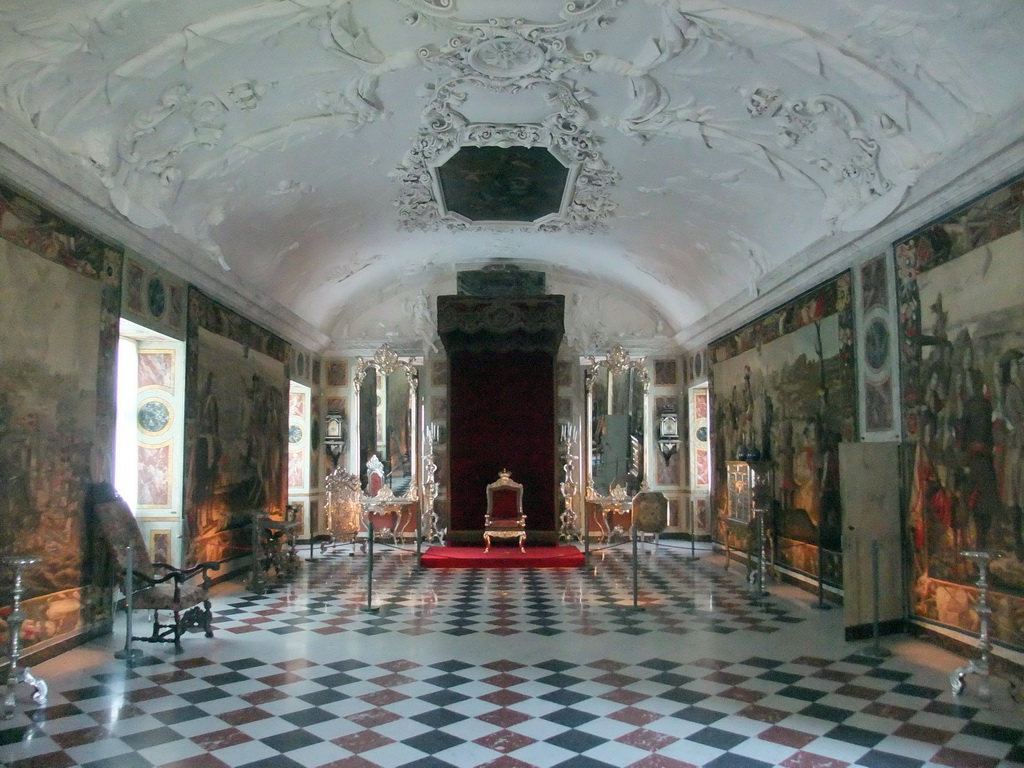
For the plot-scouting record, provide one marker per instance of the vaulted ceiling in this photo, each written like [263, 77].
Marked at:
[323, 165]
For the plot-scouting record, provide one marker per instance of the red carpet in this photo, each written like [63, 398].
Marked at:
[502, 557]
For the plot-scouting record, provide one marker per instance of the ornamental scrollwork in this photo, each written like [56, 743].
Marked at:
[564, 132]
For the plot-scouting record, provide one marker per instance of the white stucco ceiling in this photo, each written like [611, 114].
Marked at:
[734, 152]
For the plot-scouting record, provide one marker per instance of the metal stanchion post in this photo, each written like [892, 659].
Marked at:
[876, 650]
[128, 653]
[369, 566]
[821, 605]
[693, 532]
[586, 532]
[636, 566]
[759, 574]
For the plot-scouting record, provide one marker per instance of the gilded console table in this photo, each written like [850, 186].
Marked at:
[403, 510]
[617, 502]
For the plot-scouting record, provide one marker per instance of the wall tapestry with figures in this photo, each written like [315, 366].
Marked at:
[962, 334]
[783, 393]
[236, 429]
[59, 290]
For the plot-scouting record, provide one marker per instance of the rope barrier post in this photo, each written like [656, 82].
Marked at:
[636, 567]
[370, 608]
[693, 532]
[821, 605]
[128, 653]
[759, 576]
[586, 533]
[876, 649]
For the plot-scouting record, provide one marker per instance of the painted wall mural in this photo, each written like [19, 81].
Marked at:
[59, 290]
[783, 391]
[962, 342]
[236, 429]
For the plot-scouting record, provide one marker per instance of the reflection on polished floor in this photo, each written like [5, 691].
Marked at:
[514, 668]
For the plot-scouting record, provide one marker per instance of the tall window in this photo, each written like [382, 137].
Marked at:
[148, 456]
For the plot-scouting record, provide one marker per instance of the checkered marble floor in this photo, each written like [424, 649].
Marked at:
[701, 676]
[678, 597]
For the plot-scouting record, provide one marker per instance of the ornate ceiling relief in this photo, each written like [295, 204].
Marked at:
[826, 132]
[564, 133]
[146, 172]
[506, 56]
[821, 145]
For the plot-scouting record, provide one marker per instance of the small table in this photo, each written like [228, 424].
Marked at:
[16, 674]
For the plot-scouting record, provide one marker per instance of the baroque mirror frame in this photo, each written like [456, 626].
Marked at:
[617, 361]
[385, 362]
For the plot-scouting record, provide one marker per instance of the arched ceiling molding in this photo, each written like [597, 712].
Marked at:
[665, 304]
[162, 248]
[972, 170]
[824, 131]
[854, 113]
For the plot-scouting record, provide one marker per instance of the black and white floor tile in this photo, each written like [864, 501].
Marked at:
[513, 669]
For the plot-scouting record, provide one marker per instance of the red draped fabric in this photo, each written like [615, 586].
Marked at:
[502, 416]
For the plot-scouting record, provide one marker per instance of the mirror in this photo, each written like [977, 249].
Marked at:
[617, 394]
[386, 428]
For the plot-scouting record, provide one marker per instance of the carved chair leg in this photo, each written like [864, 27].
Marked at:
[522, 543]
[207, 618]
[487, 543]
[177, 632]
[156, 624]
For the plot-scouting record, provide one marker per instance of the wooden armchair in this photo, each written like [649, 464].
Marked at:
[157, 586]
[504, 518]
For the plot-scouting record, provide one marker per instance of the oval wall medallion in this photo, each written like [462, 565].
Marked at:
[156, 296]
[154, 417]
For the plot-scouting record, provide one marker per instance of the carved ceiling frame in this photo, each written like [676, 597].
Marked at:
[506, 55]
[585, 204]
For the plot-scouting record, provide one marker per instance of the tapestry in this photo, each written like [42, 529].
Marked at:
[236, 430]
[59, 289]
[783, 392]
[962, 344]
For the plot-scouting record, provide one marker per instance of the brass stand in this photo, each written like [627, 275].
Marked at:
[980, 665]
[16, 674]
[433, 531]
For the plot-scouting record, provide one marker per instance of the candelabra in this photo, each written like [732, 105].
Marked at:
[433, 532]
[569, 530]
[16, 674]
[980, 665]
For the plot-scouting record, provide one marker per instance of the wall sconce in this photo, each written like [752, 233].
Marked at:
[335, 436]
[668, 435]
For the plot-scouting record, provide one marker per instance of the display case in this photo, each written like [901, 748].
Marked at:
[749, 489]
